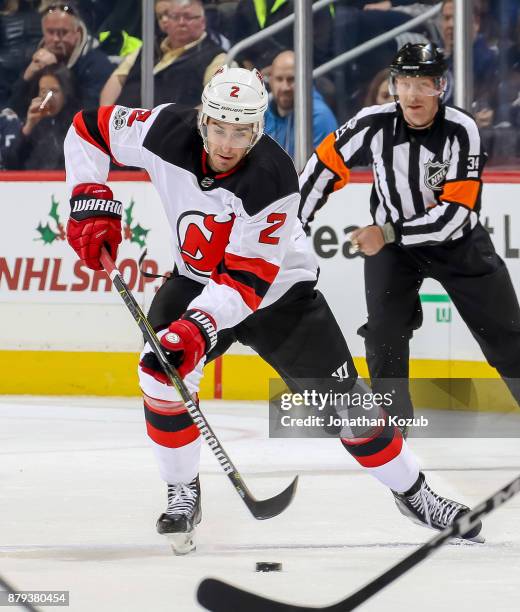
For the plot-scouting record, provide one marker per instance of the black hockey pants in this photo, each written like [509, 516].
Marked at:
[297, 335]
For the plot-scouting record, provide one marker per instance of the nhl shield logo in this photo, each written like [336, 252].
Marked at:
[206, 182]
[434, 174]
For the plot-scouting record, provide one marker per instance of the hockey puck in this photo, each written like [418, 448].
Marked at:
[267, 566]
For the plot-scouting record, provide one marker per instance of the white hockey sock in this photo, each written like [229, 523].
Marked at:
[400, 473]
[177, 464]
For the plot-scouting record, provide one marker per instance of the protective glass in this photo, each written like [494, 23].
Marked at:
[230, 136]
[420, 86]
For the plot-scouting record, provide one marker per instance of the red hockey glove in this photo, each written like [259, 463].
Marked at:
[187, 340]
[95, 220]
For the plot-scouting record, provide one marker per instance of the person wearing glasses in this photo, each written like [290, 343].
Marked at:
[65, 42]
[188, 59]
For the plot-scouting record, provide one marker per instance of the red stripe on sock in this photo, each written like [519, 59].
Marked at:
[173, 439]
[385, 455]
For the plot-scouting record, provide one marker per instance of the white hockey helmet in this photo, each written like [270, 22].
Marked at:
[236, 96]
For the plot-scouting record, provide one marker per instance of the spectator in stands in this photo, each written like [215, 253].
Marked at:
[378, 92]
[279, 118]
[117, 24]
[356, 22]
[252, 16]
[219, 21]
[20, 31]
[189, 58]
[10, 126]
[39, 143]
[65, 42]
[485, 66]
[101, 15]
[511, 83]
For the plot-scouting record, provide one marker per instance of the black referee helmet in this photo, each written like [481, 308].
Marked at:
[419, 60]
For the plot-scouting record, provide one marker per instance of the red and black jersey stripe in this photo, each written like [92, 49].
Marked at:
[251, 277]
[93, 126]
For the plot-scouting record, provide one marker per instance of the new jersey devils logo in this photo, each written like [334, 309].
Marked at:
[202, 240]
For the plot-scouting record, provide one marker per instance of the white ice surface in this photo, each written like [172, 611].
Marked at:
[80, 495]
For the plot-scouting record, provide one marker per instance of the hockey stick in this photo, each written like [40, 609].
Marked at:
[10, 590]
[260, 509]
[219, 596]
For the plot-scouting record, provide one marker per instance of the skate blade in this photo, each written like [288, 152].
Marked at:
[181, 543]
[478, 539]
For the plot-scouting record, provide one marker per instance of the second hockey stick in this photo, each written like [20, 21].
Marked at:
[259, 508]
[17, 598]
[219, 596]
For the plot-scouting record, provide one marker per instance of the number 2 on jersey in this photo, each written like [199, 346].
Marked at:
[138, 114]
[266, 235]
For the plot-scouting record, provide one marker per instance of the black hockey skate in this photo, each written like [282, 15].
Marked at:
[181, 517]
[425, 507]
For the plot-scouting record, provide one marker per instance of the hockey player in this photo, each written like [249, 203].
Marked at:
[243, 267]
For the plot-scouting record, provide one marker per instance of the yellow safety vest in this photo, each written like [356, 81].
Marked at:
[129, 44]
[261, 10]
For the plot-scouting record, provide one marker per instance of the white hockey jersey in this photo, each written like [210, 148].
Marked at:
[236, 232]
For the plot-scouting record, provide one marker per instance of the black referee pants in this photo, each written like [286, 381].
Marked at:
[479, 285]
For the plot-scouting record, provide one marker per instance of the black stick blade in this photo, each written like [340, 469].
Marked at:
[268, 508]
[219, 596]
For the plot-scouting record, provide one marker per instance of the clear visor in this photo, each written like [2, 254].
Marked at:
[420, 86]
[230, 136]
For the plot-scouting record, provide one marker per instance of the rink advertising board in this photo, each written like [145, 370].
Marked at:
[53, 306]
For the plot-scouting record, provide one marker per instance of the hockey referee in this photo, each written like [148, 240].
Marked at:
[427, 160]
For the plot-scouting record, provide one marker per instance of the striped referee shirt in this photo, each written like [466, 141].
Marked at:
[427, 183]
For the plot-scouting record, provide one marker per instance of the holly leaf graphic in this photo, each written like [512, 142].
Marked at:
[47, 236]
[139, 235]
[54, 210]
[128, 213]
